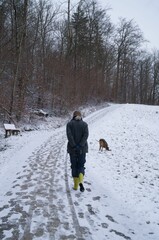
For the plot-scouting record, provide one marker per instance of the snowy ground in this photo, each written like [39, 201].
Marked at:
[121, 200]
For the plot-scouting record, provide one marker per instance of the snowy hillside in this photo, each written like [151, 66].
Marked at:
[122, 185]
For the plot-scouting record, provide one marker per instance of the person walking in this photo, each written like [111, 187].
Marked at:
[77, 147]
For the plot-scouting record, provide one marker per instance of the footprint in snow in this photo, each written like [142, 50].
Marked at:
[88, 189]
[110, 218]
[9, 193]
[88, 183]
[81, 215]
[96, 198]
[105, 225]
[76, 203]
[120, 234]
[90, 209]
[77, 195]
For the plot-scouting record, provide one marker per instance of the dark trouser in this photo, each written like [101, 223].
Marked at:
[77, 164]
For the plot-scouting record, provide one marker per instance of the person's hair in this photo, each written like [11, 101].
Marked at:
[77, 113]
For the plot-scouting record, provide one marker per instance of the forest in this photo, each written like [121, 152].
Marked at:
[59, 56]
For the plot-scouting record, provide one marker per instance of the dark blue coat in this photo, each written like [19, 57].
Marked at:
[77, 134]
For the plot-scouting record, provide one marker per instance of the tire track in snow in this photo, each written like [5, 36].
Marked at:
[38, 188]
[77, 226]
[54, 211]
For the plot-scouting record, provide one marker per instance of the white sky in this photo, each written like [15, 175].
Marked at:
[144, 12]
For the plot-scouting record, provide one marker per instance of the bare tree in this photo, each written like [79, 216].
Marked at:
[47, 61]
[127, 40]
[19, 23]
[155, 86]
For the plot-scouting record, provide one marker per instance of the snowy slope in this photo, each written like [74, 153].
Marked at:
[127, 178]
[122, 186]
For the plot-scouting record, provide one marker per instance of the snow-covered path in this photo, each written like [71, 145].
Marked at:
[121, 198]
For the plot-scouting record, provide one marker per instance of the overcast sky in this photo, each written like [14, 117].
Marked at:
[144, 12]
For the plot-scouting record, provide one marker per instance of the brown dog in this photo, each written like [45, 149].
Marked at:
[103, 144]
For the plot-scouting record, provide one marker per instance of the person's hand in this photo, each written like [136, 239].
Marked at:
[78, 146]
[78, 149]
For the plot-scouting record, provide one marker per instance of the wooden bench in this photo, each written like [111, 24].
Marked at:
[10, 129]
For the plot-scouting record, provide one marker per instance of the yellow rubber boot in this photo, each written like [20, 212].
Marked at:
[76, 183]
[81, 178]
[81, 182]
